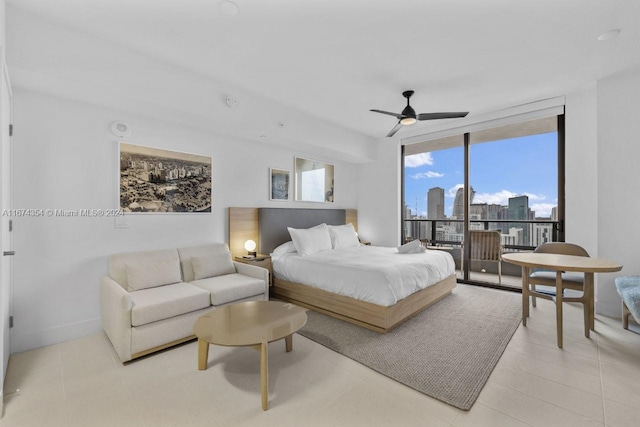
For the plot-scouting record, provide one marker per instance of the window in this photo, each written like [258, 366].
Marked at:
[514, 178]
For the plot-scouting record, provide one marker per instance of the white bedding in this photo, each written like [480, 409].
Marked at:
[375, 274]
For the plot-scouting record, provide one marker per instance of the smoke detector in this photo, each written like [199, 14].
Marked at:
[120, 129]
[228, 8]
[231, 101]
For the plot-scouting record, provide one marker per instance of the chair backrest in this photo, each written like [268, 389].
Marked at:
[486, 245]
[561, 248]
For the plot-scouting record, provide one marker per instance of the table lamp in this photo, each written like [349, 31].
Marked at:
[250, 246]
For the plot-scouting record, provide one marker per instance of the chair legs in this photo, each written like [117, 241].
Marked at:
[625, 316]
[533, 298]
[585, 300]
[587, 306]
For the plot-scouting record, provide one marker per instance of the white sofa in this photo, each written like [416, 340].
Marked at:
[150, 300]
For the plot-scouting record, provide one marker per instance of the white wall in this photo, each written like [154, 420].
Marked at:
[618, 178]
[48, 57]
[65, 158]
[379, 195]
[3, 24]
[581, 177]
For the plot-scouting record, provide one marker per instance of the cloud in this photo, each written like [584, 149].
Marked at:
[453, 190]
[502, 198]
[416, 160]
[499, 198]
[542, 210]
[428, 174]
[535, 196]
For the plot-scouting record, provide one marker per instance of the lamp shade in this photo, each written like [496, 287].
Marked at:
[250, 245]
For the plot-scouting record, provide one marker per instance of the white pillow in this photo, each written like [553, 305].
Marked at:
[410, 247]
[284, 248]
[343, 236]
[149, 274]
[212, 265]
[311, 240]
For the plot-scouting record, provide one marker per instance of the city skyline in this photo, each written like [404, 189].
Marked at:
[152, 181]
[499, 170]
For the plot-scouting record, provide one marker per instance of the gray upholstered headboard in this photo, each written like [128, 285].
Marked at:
[273, 223]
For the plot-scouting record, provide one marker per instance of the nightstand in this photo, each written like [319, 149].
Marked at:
[260, 260]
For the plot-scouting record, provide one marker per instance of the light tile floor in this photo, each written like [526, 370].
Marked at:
[592, 382]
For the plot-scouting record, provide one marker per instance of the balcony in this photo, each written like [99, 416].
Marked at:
[517, 235]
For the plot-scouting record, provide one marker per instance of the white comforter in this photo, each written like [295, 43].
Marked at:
[375, 274]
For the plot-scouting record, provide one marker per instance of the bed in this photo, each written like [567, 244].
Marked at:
[342, 298]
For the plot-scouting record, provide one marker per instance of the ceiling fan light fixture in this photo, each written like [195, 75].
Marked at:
[408, 121]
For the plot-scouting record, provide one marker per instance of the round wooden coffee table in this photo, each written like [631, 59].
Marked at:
[249, 324]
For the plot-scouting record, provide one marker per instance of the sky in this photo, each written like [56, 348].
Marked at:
[498, 170]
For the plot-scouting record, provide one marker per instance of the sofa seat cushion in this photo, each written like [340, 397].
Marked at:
[231, 287]
[163, 302]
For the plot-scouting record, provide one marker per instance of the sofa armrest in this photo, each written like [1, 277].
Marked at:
[116, 316]
[256, 272]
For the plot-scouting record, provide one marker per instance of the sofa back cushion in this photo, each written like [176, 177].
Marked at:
[140, 270]
[186, 255]
[212, 265]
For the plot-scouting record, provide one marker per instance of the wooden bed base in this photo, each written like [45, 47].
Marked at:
[375, 317]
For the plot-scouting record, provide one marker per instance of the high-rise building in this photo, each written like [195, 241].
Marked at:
[407, 224]
[458, 203]
[519, 209]
[495, 212]
[541, 233]
[435, 203]
[458, 206]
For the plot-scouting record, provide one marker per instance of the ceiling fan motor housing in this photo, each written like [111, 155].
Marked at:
[408, 110]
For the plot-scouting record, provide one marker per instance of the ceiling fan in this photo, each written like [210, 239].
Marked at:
[409, 116]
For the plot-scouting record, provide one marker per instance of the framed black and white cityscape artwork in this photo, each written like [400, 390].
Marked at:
[153, 180]
[279, 184]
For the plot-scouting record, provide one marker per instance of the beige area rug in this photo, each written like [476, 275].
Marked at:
[447, 351]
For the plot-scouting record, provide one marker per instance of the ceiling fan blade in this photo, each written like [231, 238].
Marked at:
[435, 116]
[394, 130]
[396, 115]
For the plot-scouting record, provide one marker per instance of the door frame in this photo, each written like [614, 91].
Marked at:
[6, 301]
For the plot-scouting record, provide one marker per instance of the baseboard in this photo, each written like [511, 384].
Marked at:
[24, 341]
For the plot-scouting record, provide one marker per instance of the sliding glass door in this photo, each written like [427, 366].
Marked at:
[506, 179]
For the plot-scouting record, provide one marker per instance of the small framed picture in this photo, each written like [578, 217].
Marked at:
[279, 184]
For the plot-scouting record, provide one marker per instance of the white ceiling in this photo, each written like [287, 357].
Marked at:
[325, 63]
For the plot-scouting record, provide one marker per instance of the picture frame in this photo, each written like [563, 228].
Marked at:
[156, 180]
[314, 181]
[279, 184]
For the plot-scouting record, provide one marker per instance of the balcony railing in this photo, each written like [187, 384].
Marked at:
[448, 232]
[517, 235]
